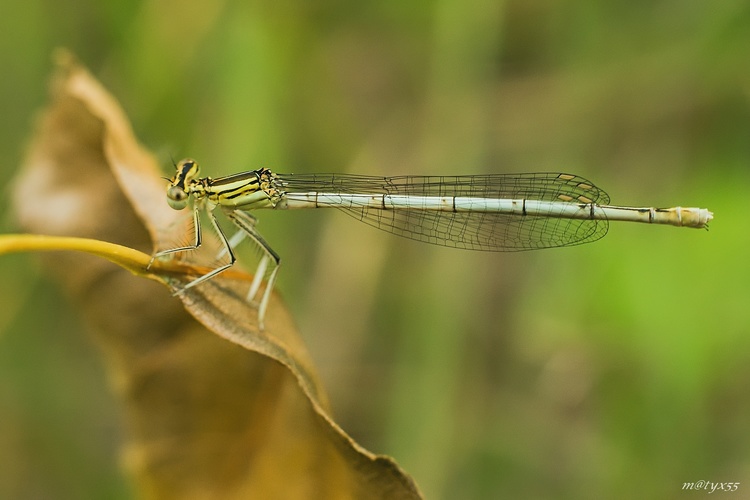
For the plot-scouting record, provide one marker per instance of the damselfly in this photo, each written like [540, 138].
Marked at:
[495, 212]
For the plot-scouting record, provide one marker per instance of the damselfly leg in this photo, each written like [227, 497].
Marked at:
[246, 230]
[246, 223]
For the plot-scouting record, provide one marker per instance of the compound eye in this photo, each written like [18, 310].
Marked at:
[177, 197]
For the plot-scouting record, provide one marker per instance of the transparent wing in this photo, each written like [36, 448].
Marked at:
[469, 230]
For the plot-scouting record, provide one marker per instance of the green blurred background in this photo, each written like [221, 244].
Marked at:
[619, 369]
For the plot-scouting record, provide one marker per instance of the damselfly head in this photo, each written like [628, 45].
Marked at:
[186, 172]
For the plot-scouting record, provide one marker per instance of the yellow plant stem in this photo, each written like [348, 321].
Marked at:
[134, 261]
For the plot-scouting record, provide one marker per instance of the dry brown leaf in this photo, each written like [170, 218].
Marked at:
[207, 418]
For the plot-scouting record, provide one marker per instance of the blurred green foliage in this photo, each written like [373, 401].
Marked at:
[614, 370]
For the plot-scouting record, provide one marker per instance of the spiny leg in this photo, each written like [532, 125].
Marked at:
[234, 240]
[248, 226]
[227, 250]
[246, 222]
[260, 272]
[194, 246]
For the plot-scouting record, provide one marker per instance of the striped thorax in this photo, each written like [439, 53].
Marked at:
[247, 190]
